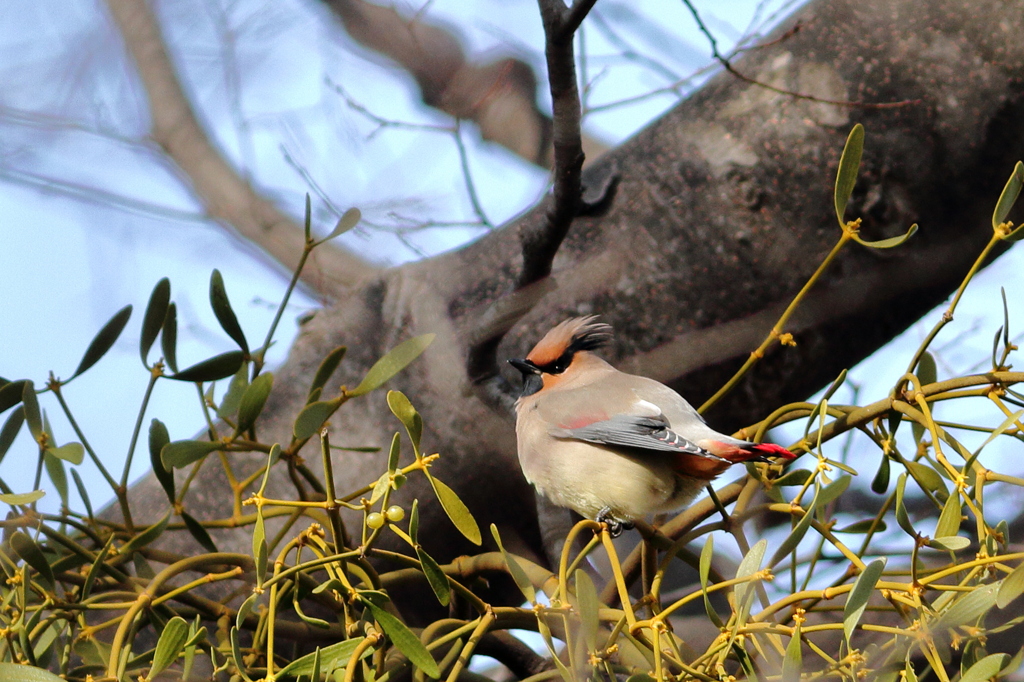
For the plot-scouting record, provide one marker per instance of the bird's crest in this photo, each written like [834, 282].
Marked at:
[570, 336]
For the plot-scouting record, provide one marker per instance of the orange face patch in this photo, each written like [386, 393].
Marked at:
[557, 341]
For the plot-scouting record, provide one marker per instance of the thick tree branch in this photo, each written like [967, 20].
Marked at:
[226, 196]
[500, 97]
[724, 208]
[513, 654]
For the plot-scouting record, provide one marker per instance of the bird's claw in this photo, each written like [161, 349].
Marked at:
[615, 526]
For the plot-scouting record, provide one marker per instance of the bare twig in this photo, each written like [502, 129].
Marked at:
[478, 208]
[540, 242]
[227, 197]
[99, 197]
[728, 66]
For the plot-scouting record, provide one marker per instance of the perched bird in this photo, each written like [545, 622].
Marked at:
[610, 445]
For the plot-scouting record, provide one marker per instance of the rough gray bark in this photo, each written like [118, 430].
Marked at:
[722, 210]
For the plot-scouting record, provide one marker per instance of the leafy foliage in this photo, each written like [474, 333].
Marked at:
[82, 596]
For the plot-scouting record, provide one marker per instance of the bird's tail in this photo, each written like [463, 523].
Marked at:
[738, 451]
[765, 450]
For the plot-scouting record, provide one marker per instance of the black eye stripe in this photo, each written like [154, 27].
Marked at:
[557, 366]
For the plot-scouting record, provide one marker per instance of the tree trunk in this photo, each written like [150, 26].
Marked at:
[720, 212]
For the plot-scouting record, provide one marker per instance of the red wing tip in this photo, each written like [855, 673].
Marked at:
[773, 450]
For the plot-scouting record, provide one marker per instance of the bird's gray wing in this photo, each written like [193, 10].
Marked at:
[632, 431]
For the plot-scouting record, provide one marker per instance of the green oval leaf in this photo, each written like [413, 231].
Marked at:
[260, 550]
[927, 372]
[31, 406]
[16, 672]
[857, 602]
[586, 597]
[332, 657]
[10, 430]
[307, 222]
[245, 609]
[158, 438]
[153, 320]
[222, 309]
[169, 338]
[798, 532]
[326, 370]
[55, 470]
[951, 543]
[404, 640]
[901, 510]
[236, 654]
[347, 221]
[833, 490]
[98, 564]
[887, 243]
[22, 498]
[10, 394]
[1011, 588]
[515, 570]
[1007, 424]
[104, 340]
[414, 521]
[793, 663]
[233, 397]
[706, 555]
[750, 565]
[272, 457]
[402, 408]
[849, 167]
[392, 363]
[181, 453]
[1015, 235]
[253, 400]
[394, 453]
[949, 519]
[927, 477]
[986, 668]
[970, 607]
[457, 511]
[1008, 197]
[305, 617]
[880, 483]
[26, 548]
[147, 536]
[82, 492]
[218, 367]
[863, 527]
[382, 484]
[435, 576]
[69, 452]
[312, 417]
[199, 532]
[170, 645]
[314, 676]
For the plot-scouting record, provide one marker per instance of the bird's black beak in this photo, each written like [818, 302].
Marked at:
[524, 366]
[532, 381]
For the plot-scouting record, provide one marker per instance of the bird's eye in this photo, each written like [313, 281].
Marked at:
[561, 364]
